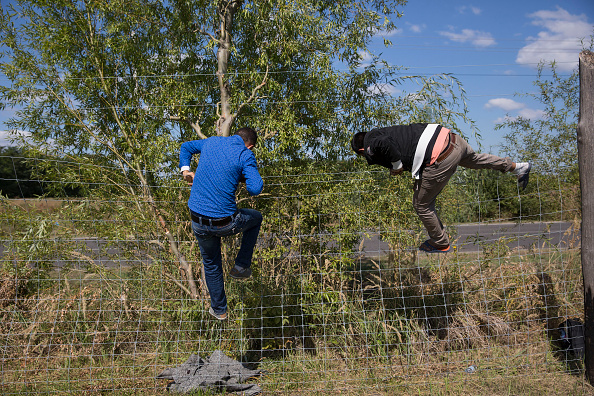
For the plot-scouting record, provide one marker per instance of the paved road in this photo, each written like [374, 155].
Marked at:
[101, 252]
[470, 237]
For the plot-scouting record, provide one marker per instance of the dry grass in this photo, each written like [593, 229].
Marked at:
[105, 334]
[500, 370]
[507, 361]
[38, 205]
[8, 291]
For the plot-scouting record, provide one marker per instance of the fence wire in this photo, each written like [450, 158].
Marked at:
[94, 299]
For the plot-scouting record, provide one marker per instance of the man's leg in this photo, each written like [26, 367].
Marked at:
[426, 191]
[210, 249]
[249, 223]
[475, 160]
[471, 159]
[433, 179]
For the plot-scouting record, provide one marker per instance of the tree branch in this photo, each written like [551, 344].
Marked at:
[193, 125]
[268, 134]
[213, 38]
[254, 92]
[178, 283]
[259, 196]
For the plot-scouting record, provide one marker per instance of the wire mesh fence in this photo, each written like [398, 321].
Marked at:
[95, 296]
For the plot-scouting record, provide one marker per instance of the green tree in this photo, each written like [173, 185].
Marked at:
[15, 175]
[113, 87]
[21, 177]
[549, 141]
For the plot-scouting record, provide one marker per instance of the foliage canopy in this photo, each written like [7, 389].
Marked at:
[114, 87]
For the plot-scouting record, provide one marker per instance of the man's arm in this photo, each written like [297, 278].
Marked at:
[387, 156]
[396, 168]
[253, 181]
[186, 151]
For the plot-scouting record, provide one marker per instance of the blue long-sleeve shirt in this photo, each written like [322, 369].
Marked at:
[222, 164]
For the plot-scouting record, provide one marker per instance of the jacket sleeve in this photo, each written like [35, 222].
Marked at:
[385, 153]
[186, 151]
[253, 181]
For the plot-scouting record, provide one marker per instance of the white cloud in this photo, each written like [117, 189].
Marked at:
[377, 89]
[413, 28]
[476, 37]
[560, 41]
[473, 9]
[5, 137]
[504, 104]
[532, 114]
[365, 58]
[510, 105]
[417, 28]
[385, 34]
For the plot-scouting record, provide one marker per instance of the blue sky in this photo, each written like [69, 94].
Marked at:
[492, 47]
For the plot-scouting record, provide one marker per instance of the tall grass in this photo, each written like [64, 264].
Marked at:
[318, 315]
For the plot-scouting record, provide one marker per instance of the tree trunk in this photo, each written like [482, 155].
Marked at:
[227, 10]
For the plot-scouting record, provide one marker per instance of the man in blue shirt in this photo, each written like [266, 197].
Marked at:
[223, 163]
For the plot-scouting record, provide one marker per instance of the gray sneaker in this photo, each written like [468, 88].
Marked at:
[522, 171]
[240, 273]
[222, 316]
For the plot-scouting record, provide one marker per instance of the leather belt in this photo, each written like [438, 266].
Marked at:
[448, 150]
[204, 220]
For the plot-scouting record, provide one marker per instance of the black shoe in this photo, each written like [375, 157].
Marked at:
[243, 273]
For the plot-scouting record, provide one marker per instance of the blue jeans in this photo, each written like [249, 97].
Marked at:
[247, 221]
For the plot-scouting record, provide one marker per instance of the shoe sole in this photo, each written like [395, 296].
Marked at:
[236, 277]
[217, 317]
[436, 250]
[428, 248]
[240, 277]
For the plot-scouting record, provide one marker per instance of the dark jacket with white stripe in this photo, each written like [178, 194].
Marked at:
[395, 146]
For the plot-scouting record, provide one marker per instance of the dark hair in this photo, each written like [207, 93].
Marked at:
[248, 135]
[357, 141]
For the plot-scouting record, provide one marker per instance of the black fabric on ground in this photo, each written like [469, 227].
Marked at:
[218, 372]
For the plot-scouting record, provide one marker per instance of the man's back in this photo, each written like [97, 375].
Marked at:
[223, 162]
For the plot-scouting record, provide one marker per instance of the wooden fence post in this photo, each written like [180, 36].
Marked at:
[585, 137]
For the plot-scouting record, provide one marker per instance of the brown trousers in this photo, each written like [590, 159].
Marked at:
[435, 177]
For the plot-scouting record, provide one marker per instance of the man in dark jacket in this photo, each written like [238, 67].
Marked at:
[431, 153]
[224, 162]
